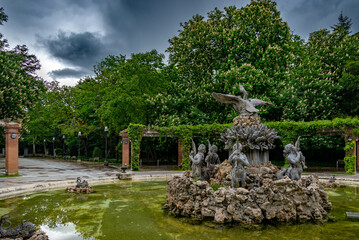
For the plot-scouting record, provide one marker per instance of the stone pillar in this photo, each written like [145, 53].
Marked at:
[125, 150]
[180, 152]
[12, 149]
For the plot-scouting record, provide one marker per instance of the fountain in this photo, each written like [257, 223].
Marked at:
[81, 187]
[248, 189]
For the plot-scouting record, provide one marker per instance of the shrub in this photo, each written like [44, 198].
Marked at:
[96, 152]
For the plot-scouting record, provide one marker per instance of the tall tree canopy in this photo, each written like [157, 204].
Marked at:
[251, 45]
[20, 87]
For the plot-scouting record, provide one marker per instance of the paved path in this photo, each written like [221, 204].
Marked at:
[38, 175]
[48, 170]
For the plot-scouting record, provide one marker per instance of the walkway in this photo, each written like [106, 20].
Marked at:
[44, 174]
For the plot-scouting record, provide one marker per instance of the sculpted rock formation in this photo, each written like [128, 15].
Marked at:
[275, 200]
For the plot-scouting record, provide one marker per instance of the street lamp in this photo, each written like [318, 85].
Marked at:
[53, 146]
[63, 145]
[44, 147]
[106, 162]
[79, 135]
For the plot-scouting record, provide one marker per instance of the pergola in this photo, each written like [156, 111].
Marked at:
[288, 130]
[126, 142]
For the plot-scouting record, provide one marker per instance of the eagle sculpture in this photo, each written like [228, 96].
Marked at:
[244, 106]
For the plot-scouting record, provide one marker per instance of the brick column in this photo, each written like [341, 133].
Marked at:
[180, 152]
[12, 149]
[125, 150]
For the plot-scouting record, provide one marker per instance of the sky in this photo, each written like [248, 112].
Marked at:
[70, 36]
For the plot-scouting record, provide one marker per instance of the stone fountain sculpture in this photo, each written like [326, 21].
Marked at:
[197, 159]
[24, 230]
[266, 194]
[238, 160]
[81, 187]
[296, 161]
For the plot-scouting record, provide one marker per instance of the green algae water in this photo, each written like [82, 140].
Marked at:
[133, 210]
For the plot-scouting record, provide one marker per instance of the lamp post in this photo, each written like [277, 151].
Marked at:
[63, 145]
[79, 135]
[106, 162]
[53, 147]
[44, 147]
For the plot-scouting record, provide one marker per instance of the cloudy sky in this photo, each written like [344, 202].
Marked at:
[70, 36]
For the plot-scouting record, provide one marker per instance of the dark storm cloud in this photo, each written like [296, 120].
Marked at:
[131, 26]
[79, 49]
[67, 73]
[307, 16]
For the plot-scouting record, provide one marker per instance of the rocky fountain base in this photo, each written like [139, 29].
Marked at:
[263, 199]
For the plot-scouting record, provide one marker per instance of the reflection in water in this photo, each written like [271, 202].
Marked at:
[134, 211]
[62, 232]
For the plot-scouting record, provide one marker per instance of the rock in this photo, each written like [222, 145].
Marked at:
[75, 189]
[269, 199]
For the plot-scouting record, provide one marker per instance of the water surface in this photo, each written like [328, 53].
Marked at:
[134, 211]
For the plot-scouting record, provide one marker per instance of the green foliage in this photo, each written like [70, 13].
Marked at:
[251, 45]
[287, 130]
[59, 151]
[350, 91]
[216, 186]
[20, 87]
[96, 152]
[135, 133]
[349, 159]
[125, 85]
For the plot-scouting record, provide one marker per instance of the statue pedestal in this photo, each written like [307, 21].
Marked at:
[12, 149]
[257, 157]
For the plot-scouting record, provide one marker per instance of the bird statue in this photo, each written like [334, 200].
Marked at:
[244, 106]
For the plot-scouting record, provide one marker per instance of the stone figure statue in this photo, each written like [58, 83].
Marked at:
[208, 171]
[197, 159]
[212, 156]
[244, 106]
[81, 184]
[296, 161]
[24, 230]
[238, 160]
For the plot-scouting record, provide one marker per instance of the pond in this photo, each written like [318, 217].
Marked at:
[133, 210]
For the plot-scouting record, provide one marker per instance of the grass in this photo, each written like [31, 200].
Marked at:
[340, 173]
[6, 176]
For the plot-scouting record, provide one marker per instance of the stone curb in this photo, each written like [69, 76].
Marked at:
[56, 185]
[345, 181]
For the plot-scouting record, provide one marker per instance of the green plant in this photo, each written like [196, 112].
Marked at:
[349, 159]
[59, 151]
[96, 152]
[216, 186]
[287, 130]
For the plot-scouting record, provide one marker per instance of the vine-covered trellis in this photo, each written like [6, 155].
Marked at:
[287, 130]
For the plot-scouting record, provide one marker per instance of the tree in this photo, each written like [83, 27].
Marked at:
[20, 87]
[251, 45]
[315, 90]
[344, 24]
[350, 91]
[131, 82]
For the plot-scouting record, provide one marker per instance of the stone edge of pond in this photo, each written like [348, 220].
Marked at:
[26, 189]
[341, 180]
